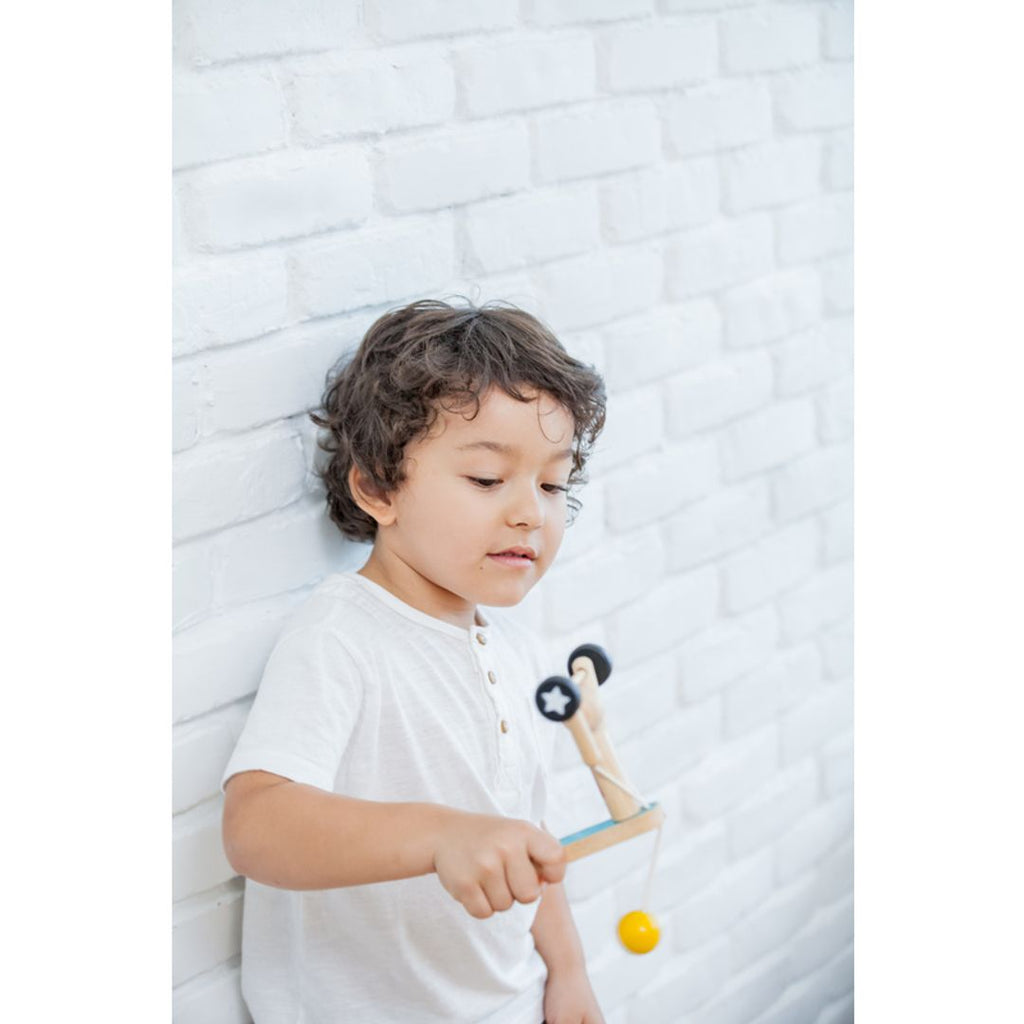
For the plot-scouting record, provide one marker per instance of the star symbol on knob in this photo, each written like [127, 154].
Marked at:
[555, 700]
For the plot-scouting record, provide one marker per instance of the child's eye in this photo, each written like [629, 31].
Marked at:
[488, 484]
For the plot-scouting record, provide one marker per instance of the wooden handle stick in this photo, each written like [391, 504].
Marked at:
[595, 745]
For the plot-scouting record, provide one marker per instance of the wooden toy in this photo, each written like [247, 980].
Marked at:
[575, 702]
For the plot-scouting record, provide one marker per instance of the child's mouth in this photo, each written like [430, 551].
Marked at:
[506, 558]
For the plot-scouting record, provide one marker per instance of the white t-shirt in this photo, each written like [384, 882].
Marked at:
[366, 696]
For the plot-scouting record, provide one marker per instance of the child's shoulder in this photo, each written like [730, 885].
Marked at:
[337, 604]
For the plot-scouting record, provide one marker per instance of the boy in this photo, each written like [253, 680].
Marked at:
[385, 799]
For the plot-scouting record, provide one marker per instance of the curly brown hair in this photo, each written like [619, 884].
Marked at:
[427, 355]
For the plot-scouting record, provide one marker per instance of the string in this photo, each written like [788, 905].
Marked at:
[650, 872]
[617, 782]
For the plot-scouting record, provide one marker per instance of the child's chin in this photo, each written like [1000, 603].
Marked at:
[508, 597]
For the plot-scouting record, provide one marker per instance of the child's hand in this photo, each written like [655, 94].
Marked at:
[488, 862]
[569, 999]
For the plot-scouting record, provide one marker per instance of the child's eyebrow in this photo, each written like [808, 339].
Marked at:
[508, 449]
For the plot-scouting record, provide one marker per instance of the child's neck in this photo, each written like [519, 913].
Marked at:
[400, 579]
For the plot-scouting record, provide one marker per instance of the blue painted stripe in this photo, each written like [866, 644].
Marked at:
[583, 833]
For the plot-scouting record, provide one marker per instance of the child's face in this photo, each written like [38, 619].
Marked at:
[448, 526]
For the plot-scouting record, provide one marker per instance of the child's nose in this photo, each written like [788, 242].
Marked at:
[527, 508]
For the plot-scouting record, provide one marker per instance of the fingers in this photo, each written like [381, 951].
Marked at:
[495, 887]
[514, 881]
[548, 854]
[552, 873]
[499, 897]
[487, 891]
[523, 880]
[476, 902]
[508, 862]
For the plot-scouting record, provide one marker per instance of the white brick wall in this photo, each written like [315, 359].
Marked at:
[378, 91]
[669, 184]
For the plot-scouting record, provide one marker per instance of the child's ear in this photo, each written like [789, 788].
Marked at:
[370, 498]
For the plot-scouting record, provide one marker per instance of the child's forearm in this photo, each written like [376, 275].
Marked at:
[293, 836]
[554, 933]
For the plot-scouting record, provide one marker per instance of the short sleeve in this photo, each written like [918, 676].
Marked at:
[306, 707]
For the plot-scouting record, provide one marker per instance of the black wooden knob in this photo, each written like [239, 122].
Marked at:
[558, 698]
[598, 655]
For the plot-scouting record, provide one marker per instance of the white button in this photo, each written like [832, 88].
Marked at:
[480, 638]
[492, 677]
[504, 725]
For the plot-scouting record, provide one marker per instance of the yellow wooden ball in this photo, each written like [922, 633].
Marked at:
[639, 932]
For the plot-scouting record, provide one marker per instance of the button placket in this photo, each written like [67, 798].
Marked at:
[508, 761]
[509, 768]
[492, 689]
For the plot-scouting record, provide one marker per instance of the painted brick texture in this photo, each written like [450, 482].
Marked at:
[668, 183]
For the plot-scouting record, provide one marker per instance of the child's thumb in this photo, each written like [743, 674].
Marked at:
[548, 854]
